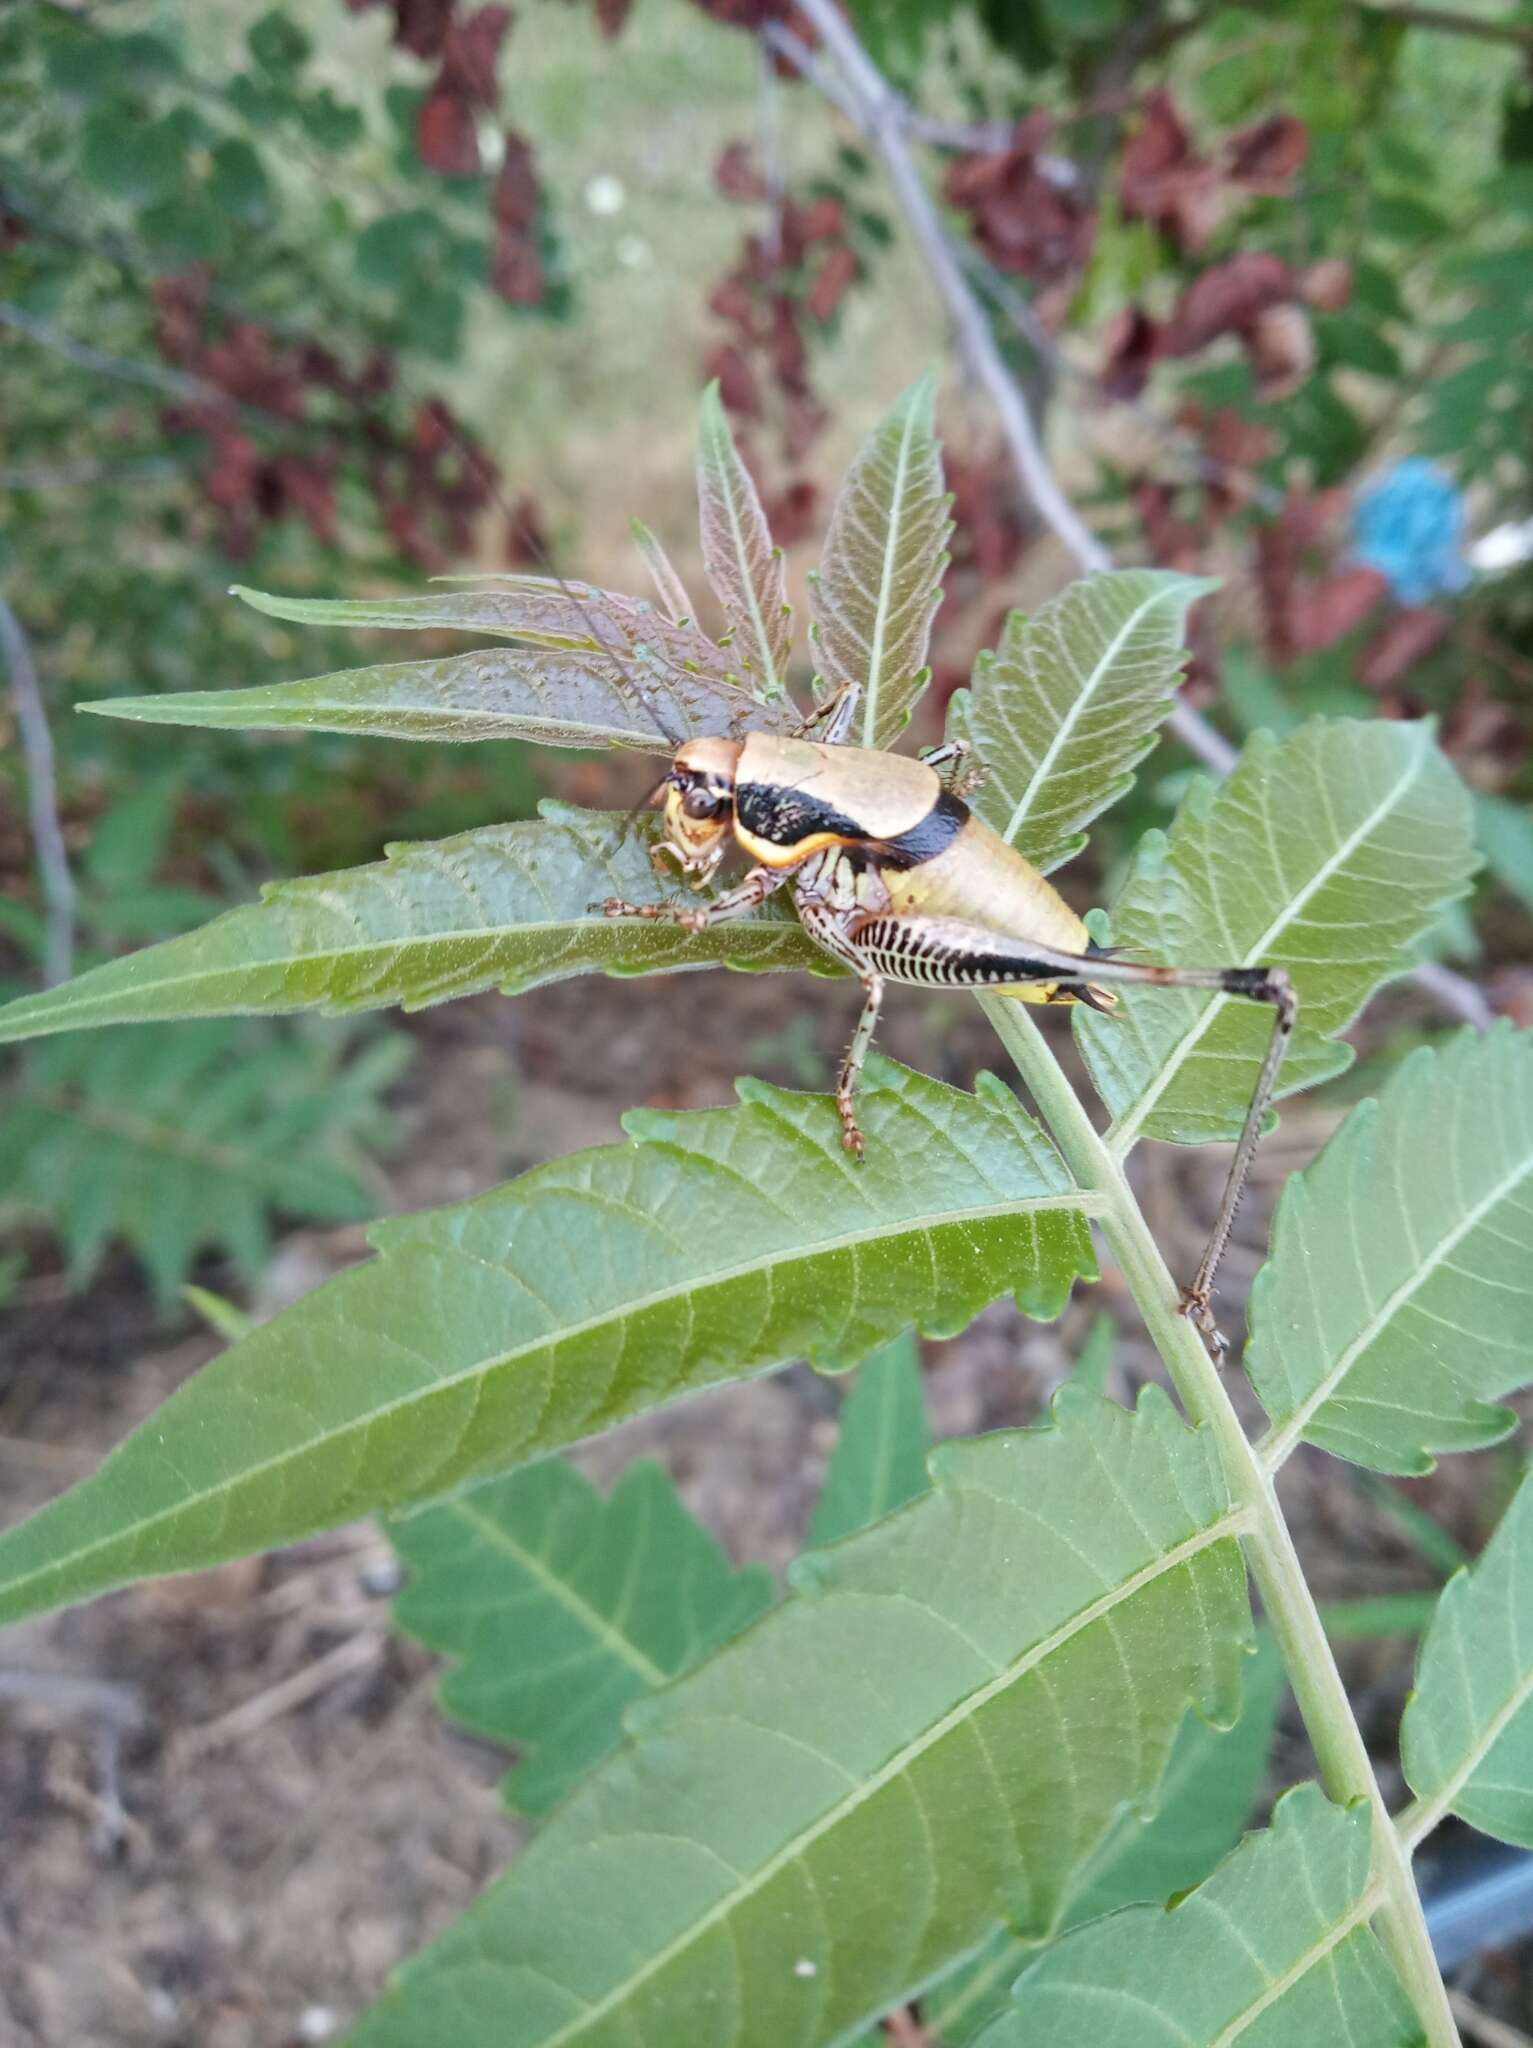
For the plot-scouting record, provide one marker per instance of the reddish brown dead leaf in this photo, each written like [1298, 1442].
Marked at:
[1268, 156]
[1328, 610]
[737, 174]
[1130, 346]
[1326, 285]
[1226, 298]
[445, 134]
[1408, 638]
[832, 281]
[1281, 345]
[1163, 179]
[517, 200]
[737, 383]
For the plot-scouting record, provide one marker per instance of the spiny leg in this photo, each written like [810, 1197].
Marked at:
[835, 714]
[945, 950]
[831, 929]
[696, 917]
[952, 754]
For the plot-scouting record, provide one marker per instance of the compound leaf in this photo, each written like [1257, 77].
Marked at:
[1328, 854]
[1398, 1301]
[505, 906]
[562, 1606]
[1203, 1803]
[881, 1443]
[1467, 1737]
[174, 1145]
[880, 577]
[1070, 701]
[1274, 1948]
[740, 560]
[961, 1698]
[715, 1245]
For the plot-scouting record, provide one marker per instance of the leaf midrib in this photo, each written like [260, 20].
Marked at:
[769, 923]
[727, 482]
[1361, 1911]
[1067, 725]
[1070, 1199]
[891, 550]
[1122, 1135]
[1419, 1821]
[1228, 1525]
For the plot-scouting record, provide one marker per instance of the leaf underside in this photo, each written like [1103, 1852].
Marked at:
[740, 561]
[1272, 1950]
[1398, 1301]
[880, 575]
[960, 1698]
[1203, 1802]
[881, 1443]
[1329, 854]
[1070, 702]
[507, 907]
[720, 1243]
[1467, 1737]
[561, 1607]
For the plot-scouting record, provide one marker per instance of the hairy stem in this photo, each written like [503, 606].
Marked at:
[1344, 1764]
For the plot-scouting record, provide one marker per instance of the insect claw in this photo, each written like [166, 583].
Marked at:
[1194, 1306]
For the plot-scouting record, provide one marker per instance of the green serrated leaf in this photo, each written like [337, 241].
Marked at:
[721, 1243]
[881, 573]
[562, 1607]
[599, 670]
[1071, 700]
[1467, 1737]
[1504, 834]
[670, 589]
[1204, 1800]
[175, 1145]
[1328, 854]
[972, 1746]
[1398, 1301]
[740, 559]
[506, 907]
[1273, 1949]
[881, 1443]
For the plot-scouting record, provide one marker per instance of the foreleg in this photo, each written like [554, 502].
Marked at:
[757, 886]
[959, 780]
[835, 715]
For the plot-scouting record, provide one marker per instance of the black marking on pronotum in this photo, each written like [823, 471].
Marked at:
[787, 817]
[933, 835]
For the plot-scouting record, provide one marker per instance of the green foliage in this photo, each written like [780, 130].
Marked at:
[1467, 1737]
[1273, 1949]
[188, 1144]
[881, 1443]
[880, 575]
[1398, 1301]
[507, 907]
[1204, 1800]
[982, 1745]
[712, 1245]
[739, 557]
[1069, 702]
[1328, 854]
[562, 1607]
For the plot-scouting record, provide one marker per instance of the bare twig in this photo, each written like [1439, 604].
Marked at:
[173, 383]
[42, 799]
[354, 1653]
[863, 94]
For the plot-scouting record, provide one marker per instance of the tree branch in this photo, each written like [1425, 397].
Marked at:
[42, 799]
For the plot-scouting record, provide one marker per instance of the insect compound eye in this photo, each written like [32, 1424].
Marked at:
[698, 802]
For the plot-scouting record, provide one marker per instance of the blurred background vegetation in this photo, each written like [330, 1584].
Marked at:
[339, 295]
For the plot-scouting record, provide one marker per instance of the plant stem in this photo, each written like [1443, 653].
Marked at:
[1345, 1768]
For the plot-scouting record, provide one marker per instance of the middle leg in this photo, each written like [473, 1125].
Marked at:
[696, 917]
[829, 928]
